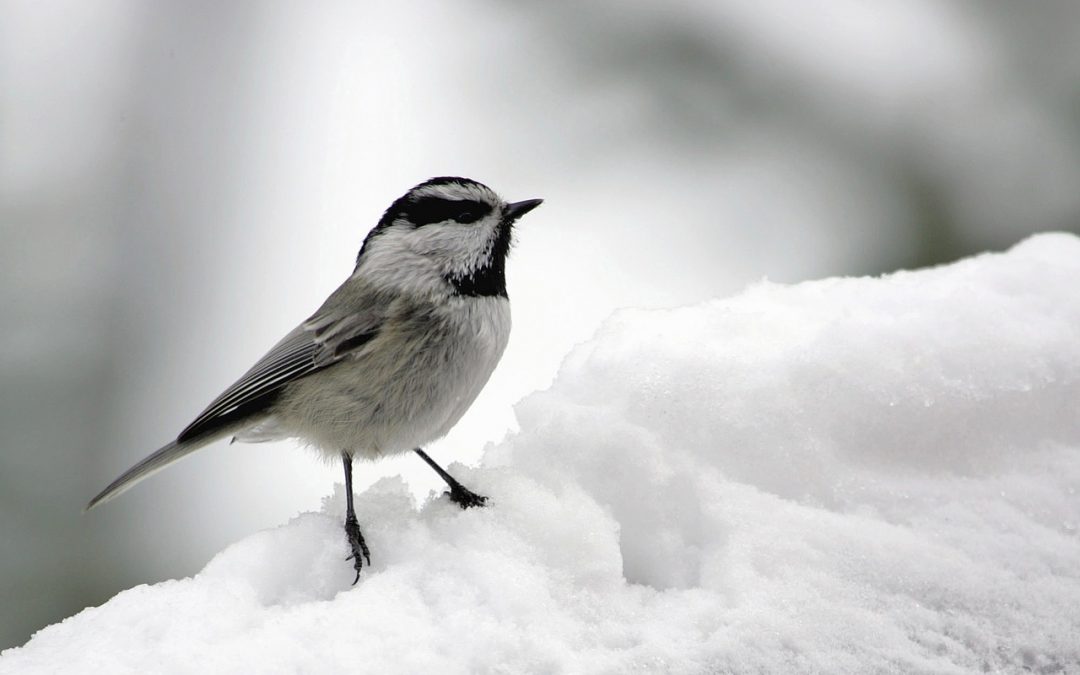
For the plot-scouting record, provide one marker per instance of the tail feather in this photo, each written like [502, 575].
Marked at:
[155, 462]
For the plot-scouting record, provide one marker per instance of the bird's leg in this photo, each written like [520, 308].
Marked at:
[359, 548]
[459, 494]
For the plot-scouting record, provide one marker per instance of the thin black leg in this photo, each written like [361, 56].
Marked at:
[459, 494]
[359, 548]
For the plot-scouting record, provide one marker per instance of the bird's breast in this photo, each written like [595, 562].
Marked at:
[410, 384]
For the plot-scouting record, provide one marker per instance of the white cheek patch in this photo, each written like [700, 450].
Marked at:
[390, 262]
[455, 248]
[421, 258]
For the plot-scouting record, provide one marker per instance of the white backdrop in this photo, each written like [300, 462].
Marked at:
[182, 183]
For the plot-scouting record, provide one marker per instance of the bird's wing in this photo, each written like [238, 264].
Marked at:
[350, 318]
[327, 337]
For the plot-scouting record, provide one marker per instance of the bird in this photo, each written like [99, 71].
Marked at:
[392, 359]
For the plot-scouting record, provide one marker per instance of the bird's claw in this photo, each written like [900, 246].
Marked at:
[360, 552]
[466, 498]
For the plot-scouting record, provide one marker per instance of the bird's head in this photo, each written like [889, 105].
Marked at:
[444, 234]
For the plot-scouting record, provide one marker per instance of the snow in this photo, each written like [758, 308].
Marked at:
[848, 475]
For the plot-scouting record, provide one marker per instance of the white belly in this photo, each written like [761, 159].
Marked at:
[409, 386]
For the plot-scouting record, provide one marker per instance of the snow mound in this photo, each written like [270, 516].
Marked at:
[849, 475]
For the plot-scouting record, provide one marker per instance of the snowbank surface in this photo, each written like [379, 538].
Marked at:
[849, 475]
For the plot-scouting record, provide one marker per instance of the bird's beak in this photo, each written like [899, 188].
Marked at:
[518, 209]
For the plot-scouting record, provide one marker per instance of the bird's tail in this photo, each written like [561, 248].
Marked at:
[156, 462]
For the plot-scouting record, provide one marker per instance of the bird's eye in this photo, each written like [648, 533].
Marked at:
[468, 216]
[469, 211]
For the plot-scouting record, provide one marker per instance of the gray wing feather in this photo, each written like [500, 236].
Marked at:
[321, 341]
[347, 321]
[289, 359]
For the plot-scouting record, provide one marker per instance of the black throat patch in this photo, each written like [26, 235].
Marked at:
[488, 280]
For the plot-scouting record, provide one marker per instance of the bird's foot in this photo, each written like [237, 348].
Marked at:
[360, 552]
[466, 498]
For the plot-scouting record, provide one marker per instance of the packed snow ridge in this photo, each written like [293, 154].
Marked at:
[842, 476]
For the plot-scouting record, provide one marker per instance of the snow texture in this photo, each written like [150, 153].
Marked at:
[842, 476]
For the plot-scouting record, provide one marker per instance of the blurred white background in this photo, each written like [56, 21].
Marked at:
[183, 182]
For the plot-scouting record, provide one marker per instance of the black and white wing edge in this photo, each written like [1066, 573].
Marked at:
[321, 341]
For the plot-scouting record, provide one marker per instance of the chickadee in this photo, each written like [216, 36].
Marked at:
[393, 358]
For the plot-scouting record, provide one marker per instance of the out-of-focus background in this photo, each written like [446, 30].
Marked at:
[181, 183]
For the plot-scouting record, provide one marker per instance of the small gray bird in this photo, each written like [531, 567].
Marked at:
[393, 358]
